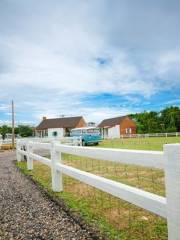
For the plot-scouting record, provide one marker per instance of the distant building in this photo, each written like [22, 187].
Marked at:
[58, 127]
[115, 127]
[91, 124]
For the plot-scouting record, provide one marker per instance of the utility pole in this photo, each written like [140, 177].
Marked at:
[12, 104]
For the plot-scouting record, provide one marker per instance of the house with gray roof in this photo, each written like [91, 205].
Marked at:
[58, 127]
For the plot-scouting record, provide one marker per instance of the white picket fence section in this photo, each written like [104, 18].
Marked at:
[168, 160]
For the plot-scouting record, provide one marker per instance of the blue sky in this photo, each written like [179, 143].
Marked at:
[93, 58]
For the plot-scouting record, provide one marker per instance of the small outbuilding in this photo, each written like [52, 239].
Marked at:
[115, 127]
[58, 127]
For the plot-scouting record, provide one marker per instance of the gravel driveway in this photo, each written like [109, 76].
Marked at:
[25, 213]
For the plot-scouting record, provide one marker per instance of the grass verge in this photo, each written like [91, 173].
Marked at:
[151, 143]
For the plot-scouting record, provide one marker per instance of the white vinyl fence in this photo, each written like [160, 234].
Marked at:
[6, 141]
[75, 141]
[148, 135]
[168, 160]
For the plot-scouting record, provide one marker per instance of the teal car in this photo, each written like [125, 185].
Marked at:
[88, 135]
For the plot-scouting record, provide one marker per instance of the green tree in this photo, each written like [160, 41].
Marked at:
[25, 130]
[171, 119]
[147, 122]
[4, 130]
[167, 120]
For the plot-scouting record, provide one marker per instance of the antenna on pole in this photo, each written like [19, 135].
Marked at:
[13, 138]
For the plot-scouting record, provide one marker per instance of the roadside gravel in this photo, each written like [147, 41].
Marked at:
[25, 213]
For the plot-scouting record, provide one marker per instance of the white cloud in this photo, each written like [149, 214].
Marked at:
[49, 52]
[39, 67]
[4, 107]
[169, 61]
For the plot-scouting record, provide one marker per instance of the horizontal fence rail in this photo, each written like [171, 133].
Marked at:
[168, 160]
[137, 157]
[73, 141]
[148, 135]
[143, 199]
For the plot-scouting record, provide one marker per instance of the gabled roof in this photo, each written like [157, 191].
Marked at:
[110, 122]
[65, 122]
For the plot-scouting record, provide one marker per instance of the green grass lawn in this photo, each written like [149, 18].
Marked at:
[154, 143]
[114, 217]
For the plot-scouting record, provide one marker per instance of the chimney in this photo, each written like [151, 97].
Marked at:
[44, 118]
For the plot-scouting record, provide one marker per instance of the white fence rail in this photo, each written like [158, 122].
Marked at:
[6, 141]
[168, 160]
[73, 141]
[148, 135]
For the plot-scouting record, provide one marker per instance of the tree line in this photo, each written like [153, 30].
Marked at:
[166, 120]
[21, 130]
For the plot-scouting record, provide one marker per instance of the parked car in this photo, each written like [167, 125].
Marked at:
[88, 135]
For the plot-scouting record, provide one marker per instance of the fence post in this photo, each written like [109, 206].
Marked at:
[172, 181]
[18, 155]
[29, 159]
[57, 185]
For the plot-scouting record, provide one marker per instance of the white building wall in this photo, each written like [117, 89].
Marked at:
[114, 132]
[60, 132]
[105, 132]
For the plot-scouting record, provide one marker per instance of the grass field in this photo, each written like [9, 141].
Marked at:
[154, 143]
[114, 217]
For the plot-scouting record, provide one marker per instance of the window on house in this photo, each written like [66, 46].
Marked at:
[128, 130]
[54, 134]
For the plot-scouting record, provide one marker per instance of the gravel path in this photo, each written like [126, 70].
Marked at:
[25, 213]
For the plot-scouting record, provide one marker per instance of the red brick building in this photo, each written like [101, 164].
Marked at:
[115, 127]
